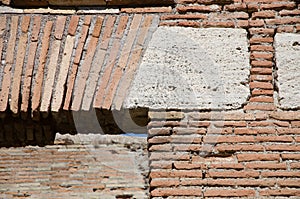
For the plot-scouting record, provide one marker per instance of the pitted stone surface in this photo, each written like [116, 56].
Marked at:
[193, 68]
[287, 52]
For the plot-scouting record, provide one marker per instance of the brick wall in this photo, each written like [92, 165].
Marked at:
[252, 152]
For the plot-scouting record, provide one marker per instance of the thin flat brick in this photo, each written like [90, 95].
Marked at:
[107, 33]
[176, 192]
[53, 63]
[280, 174]
[85, 68]
[265, 78]
[262, 99]
[284, 20]
[232, 174]
[116, 77]
[147, 10]
[264, 14]
[280, 192]
[97, 27]
[104, 82]
[236, 7]
[19, 65]
[73, 25]
[184, 9]
[63, 72]
[243, 23]
[257, 92]
[59, 27]
[260, 106]
[8, 63]
[290, 156]
[257, 157]
[223, 24]
[229, 193]
[256, 23]
[283, 147]
[72, 77]
[285, 28]
[285, 115]
[261, 85]
[184, 16]
[289, 183]
[261, 40]
[261, 71]
[239, 147]
[278, 6]
[261, 56]
[132, 62]
[264, 31]
[30, 63]
[289, 12]
[262, 48]
[36, 94]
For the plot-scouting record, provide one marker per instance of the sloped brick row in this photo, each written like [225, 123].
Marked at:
[74, 62]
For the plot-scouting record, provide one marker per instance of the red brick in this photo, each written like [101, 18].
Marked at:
[263, 14]
[161, 164]
[284, 20]
[261, 40]
[239, 147]
[73, 25]
[228, 15]
[164, 182]
[278, 6]
[288, 183]
[176, 192]
[30, 63]
[281, 131]
[262, 99]
[159, 140]
[298, 28]
[161, 147]
[281, 123]
[187, 165]
[244, 131]
[188, 147]
[243, 23]
[285, 115]
[185, 16]
[185, 139]
[280, 174]
[186, 1]
[228, 192]
[256, 23]
[160, 131]
[233, 174]
[199, 124]
[290, 156]
[168, 156]
[261, 106]
[228, 139]
[98, 26]
[285, 29]
[295, 165]
[261, 85]
[261, 48]
[223, 24]
[267, 165]
[257, 157]
[42, 61]
[147, 10]
[167, 124]
[295, 123]
[282, 147]
[262, 31]
[59, 27]
[184, 9]
[265, 78]
[257, 92]
[262, 71]
[236, 7]
[261, 55]
[260, 124]
[289, 12]
[194, 24]
[176, 174]
[188, 131]
[280, 192]
[237, 166]
[253, 7]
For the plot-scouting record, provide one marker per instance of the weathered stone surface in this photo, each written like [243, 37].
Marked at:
[287, 52]
[193, 68]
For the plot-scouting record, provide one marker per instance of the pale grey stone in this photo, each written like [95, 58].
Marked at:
[193, 68]
[287, 53]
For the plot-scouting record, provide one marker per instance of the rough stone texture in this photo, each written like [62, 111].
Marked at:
[287, 52]
[190, 68]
